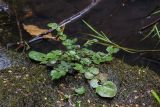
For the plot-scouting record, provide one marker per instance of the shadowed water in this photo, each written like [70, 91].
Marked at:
[119, 19]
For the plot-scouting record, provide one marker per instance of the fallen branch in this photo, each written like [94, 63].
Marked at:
[68, 20]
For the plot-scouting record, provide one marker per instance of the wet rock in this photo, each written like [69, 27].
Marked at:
[11, 59]
[5, 61]
[3, 6]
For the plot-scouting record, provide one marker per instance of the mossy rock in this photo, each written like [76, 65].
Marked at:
[32, 86]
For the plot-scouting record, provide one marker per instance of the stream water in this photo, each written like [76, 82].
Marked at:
[120, 19]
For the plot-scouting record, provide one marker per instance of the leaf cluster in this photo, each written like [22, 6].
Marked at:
[78, 58]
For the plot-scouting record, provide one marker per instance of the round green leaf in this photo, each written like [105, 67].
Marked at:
[72, 52]
[85, 61]
[52, 25]
[94, 83]
[55, 74]
[63, 37]
[54, 54]
[53, 61]
[109, 90]
[108, 58]
[63, 73]
[94, 71]
[80, 91]
[37, 56]
[111, 49]
[79, 68]
[88, 75]
[110, 84]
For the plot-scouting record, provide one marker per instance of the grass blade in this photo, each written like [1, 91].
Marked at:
[155, 95]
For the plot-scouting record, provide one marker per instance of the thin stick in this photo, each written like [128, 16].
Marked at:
[68, 20]
[19, 28]
[18, 23]
[151, 24]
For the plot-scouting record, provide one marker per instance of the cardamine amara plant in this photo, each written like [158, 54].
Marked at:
[80, 59]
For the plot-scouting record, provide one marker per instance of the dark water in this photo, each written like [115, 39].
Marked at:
[120, 19]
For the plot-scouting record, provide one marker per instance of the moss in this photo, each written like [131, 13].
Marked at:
[31, 86]
[25, 86]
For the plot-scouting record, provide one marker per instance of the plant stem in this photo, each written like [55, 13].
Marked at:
[151, 24]
[17, 22]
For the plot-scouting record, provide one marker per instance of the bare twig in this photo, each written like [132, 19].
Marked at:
[17, 21]
[68, 20]
[151, 24]
[18, 25]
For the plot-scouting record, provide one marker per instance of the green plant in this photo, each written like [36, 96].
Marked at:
[79, 103]
[80, 59]
[104, 40]
[156, 96]
[80, 90]
[154, 32]
[156, 12]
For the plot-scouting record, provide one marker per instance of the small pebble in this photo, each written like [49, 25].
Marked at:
[45, 98]
[88, 101]
[136, 97]
[10, 71]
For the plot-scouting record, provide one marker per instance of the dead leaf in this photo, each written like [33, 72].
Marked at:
[35, 31]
